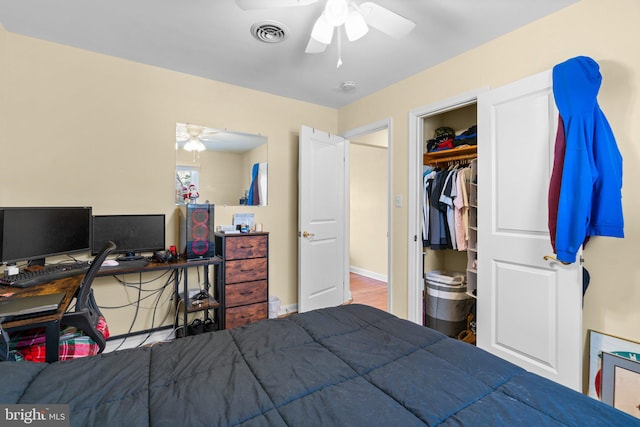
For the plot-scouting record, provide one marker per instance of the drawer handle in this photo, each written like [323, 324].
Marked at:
[246, 247]
[245, 293]
[246, 270]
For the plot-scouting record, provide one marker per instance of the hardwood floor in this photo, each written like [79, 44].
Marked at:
[367, 291]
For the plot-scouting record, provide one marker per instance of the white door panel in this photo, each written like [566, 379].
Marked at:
[536, 332]
[529, 309]
[321, 216]
[521, 166]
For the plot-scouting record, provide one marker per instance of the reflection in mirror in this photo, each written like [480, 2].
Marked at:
[226, 168]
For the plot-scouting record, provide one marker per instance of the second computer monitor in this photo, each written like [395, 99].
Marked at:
[132, 234]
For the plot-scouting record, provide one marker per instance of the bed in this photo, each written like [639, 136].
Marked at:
[345, 366]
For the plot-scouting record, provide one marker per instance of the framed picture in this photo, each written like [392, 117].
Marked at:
[621, 383]
[598, 343]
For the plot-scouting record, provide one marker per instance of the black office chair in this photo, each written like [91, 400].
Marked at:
[86, 315]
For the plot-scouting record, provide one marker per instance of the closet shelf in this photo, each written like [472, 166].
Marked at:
[444, 156]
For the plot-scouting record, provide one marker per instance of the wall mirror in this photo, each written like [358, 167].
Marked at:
[224, 167]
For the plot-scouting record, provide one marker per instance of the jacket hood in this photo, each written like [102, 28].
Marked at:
[576, 83]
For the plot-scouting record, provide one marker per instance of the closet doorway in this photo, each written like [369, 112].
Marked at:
[415, 254]
[370, 214]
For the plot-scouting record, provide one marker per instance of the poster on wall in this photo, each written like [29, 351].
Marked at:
[599, 343]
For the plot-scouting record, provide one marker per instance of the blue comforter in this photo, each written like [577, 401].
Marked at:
[346, 366]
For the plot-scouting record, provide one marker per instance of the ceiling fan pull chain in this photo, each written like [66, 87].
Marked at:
[339, 47]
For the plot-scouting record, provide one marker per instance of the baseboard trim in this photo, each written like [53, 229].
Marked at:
[137, 339]
[369, 274]
[286, 310]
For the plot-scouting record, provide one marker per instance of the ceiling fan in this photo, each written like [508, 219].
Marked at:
[192, 136]
[356, 19]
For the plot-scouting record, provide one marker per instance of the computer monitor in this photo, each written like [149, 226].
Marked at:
[34, 233]
[132, 234]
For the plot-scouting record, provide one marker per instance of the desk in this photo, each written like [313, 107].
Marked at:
[182, 265]
[50, 322]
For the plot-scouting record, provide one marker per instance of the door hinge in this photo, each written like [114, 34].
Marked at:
[415, 238]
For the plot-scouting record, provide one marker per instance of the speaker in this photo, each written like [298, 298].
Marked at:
[196, 231]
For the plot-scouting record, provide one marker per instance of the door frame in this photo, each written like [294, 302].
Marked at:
[414, 195]
[348, 135]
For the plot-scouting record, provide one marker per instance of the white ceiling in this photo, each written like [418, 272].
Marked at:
[211, 39]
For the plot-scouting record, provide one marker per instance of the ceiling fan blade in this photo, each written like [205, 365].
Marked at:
[385, 20]
[355, 26]
[267, 4]
[322, 30]
[314, 46]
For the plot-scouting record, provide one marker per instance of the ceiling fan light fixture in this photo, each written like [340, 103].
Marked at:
[194, 144]
[336, 12]
[322, 30]
[355, 26]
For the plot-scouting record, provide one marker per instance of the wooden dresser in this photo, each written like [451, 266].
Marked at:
[245, 294]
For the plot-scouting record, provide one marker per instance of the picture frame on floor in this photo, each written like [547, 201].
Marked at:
[600, 342]
[621, 383]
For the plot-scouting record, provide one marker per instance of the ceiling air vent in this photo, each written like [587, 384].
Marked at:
[269, 32]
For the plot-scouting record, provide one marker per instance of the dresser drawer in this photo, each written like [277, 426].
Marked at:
[238, 316]
[245, 270]
[245, 247]
[245, 293]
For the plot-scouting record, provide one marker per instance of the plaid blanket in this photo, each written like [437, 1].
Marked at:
[31, 345]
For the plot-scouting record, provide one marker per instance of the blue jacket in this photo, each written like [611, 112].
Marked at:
[590, 202]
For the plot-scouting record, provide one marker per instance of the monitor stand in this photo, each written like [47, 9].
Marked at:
[130, 256]
[34, 262]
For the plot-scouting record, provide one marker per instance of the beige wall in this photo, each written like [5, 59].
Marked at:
[89, 129]
[606, 31]
[3, 103]
[369, 181]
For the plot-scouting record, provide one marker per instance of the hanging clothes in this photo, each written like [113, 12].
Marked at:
[461, 204]
[590, 198]
[439, 228]
[445, 210]
[435, 234]
[427, 180]
[556, 181]
[446, 197]
[253, 197]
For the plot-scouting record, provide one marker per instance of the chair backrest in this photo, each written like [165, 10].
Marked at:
[85, 286]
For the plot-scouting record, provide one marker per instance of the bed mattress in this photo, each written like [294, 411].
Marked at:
[345, 366]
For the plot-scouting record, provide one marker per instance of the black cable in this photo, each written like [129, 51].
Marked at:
[135, 317]
[124, 282]
[138, 287]
[153, 316]
[158, 292]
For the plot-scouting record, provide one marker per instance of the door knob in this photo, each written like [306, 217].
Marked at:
[552, 258]
[307, 234]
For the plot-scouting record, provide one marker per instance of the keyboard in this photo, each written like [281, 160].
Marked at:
[48, 273]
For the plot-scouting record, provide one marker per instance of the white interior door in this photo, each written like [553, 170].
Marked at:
[321, 220]
[529, 308]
